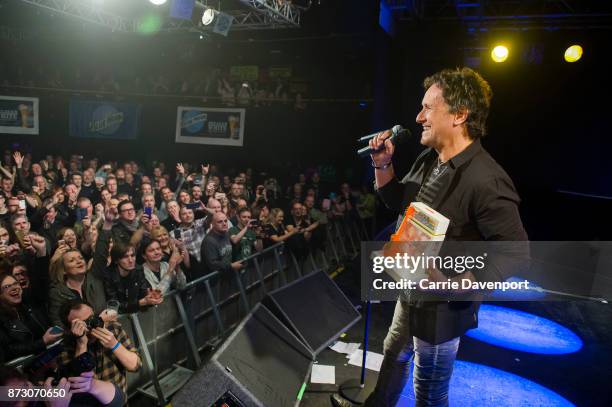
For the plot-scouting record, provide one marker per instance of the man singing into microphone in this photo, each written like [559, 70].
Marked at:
[458, 178]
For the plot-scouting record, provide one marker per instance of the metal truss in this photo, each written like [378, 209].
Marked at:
[86, 10]
[282, 12]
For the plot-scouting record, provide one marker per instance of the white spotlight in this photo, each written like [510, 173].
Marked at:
[158, 2]
[208, 16]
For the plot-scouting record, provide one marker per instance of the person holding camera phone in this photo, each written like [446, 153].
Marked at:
[244, 236]
[113, 352]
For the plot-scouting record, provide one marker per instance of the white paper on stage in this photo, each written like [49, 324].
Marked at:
[343, 347]
[325, 374]
[373, 360]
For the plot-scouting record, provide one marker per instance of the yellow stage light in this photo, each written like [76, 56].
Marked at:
[573, 53]
[499, 53]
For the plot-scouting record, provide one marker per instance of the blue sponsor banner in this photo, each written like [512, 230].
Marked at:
[203, 125]
[111, 120]
[182, 9]
[18, 115]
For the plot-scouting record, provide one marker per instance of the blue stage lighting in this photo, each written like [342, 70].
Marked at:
[522, 331]
[478, 385]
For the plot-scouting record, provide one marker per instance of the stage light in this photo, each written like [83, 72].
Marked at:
[499, 53]
[518, 330]
[208, 16]
[473, 384]
[573, 53]
[158, 2]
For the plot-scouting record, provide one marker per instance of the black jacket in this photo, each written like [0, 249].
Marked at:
[127, 290]
[481, 202]
[22, 335]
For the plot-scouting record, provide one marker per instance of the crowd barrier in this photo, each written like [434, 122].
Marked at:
[171, 336]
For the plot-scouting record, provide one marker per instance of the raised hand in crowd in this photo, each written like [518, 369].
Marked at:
[18, 159]
[205, 169]
[37, 243]
[110, 215]
[62, 248]
[180, 169]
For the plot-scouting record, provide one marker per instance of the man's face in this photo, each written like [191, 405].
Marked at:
[309, 202]
[186, 216]
[166, 194]
[296, 210]
[236, 190]
[83, 313]
[40, 183]
[111, 184]
[146, 188]
[36, 169]
[7, 184]
[13, 205]
[161, 183]
[245, 218]
[148, 201]
[127, 212]
[435, 118]
[219, 222]
[20, 273]
[128, 261]
[21, 224]
[197, 193]
[120, 174]
[184, 197]
[77, 180]
[215, 205]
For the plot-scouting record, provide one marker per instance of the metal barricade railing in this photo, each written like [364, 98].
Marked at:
[197, 316]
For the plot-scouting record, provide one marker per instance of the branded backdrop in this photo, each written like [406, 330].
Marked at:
[18, 115]
[109, 120]
[202, 125]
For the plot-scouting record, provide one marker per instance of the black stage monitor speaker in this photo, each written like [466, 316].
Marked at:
[262, 363]
[314, 308]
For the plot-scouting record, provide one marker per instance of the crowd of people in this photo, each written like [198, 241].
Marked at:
[213, 84]
[82, 240]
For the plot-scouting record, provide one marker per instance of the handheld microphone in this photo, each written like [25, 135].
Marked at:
[369, 137]
[399, 135]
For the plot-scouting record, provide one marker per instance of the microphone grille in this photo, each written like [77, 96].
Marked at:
[396, 129]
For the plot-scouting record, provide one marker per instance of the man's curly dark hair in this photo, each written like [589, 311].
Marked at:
[465, 89]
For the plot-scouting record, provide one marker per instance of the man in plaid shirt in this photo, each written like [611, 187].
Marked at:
[110, 346]
[191, 232]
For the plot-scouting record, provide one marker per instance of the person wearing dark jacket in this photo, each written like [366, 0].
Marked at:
[124, 280]
[71, 280]
[25, 328]
[458, 178]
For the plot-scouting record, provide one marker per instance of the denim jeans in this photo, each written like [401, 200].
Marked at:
[433, 366]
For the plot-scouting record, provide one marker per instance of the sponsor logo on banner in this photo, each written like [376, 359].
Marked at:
[18, 115]
[199, 125]
[93, 119]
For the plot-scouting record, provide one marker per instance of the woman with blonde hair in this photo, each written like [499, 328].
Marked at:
[71, 280]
